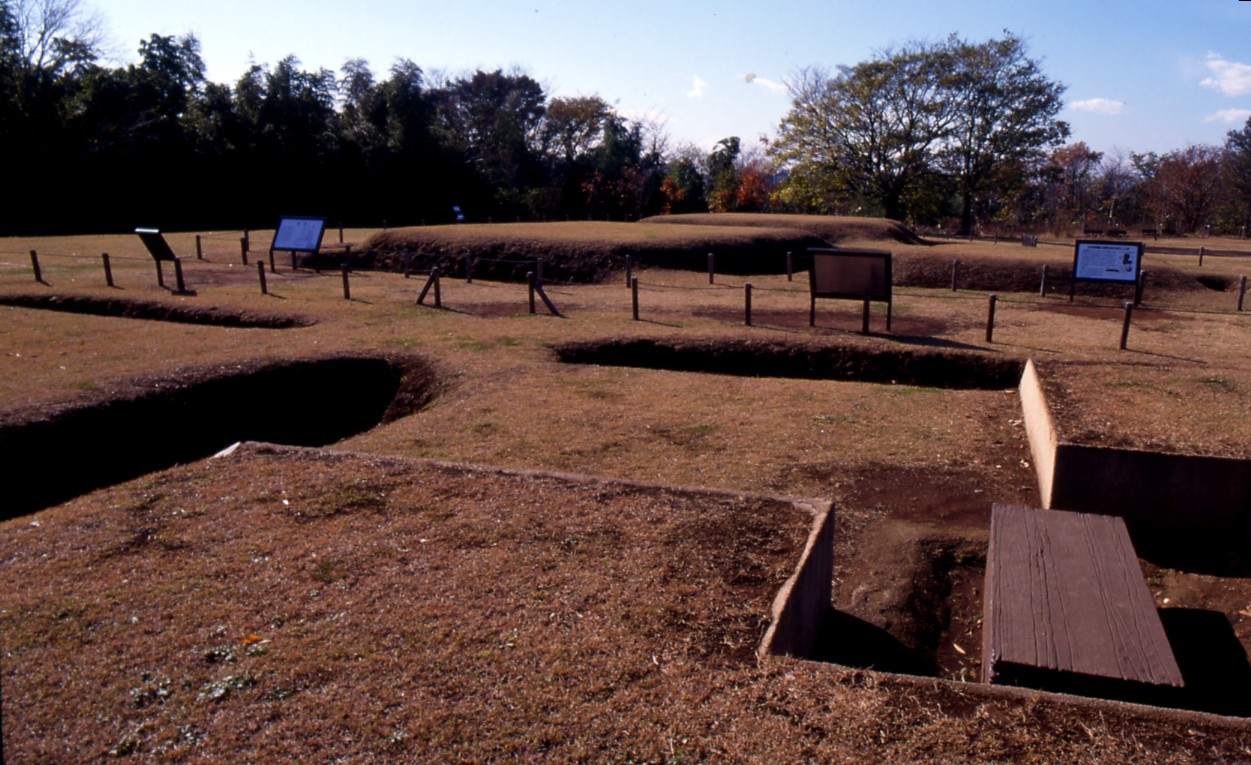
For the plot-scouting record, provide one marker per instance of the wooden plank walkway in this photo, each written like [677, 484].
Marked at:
[1065, 593]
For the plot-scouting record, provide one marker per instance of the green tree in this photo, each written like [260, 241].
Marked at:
[872, 130]
[1236, 179]
[723, 175]
[1005, 113]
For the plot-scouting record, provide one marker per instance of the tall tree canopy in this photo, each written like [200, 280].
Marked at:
[874, 132]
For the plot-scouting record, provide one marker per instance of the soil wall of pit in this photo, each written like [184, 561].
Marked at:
[1167, 500]
[312, 402]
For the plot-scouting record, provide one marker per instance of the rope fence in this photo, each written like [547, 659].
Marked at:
[11, 263]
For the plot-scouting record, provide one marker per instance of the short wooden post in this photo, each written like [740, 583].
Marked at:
[34, 264]
[711, 269]
[538, 269]
[1042, 286]
[433, 281]
[260, 272]
[747, 303]
[530, 281]
[272, 268]
[340, 232]
[955, 275]
[634, 295]
[108, 269]
[295, 264]
[1242, 291]
[990, 319]
[247, 240]
[790, 266]
[182, 286]
[1202, 252]
[199, 248]
[1139, 287]
[243, 248]
[629, 270]
[347, 287]
[1129, 312]
[160, 275]
[864, 315]
[468, 269]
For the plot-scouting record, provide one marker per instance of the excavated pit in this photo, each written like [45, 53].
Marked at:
[52, 457]
[155, 311]
[937, 369]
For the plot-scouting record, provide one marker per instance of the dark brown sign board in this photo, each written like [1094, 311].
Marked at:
[1103, 261]
[848, 274]
[298, 234]
[158, 248]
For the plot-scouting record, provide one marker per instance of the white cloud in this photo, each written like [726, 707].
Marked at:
[1099, 106]
[698, 87]
[1229, 116]
[767, 84]
[1228, 77]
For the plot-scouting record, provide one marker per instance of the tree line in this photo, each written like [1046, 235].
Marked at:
[950, 133]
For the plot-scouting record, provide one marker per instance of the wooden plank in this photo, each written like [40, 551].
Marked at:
[1065, 592]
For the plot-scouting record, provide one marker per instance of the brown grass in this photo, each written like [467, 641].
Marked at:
[192, 615]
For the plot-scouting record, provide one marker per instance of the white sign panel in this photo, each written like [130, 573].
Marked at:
[299, 234]
[1107, 261]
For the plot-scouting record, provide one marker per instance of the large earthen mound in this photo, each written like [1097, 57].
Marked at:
[584, 251]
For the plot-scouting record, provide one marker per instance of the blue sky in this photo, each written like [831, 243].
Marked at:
[1141, 75]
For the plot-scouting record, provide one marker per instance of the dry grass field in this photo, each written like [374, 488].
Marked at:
[559, 544]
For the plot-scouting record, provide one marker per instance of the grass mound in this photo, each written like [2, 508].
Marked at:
[584, 251]
[833, 229]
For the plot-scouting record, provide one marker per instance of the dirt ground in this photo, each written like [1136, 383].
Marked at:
[911, 468]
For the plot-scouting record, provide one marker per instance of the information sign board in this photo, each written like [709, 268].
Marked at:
[1095, 261]
[850, 275]
[158, 248]
[295, 234]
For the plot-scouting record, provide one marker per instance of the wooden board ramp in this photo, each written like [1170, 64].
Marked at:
[1067, 608]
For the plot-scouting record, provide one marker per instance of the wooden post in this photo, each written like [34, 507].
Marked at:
[990, 319]
[108, 269]
[538, 269]
[295, 264]
[530, 281]
[160, 275]
[199, 248]
[1139, 287]
[468, 269]
[629, 270]
[340, 232]
[347, 287]
[955, 275]
[634, 294]
[1242, 291]
[864, 315]
[790, 266]
[272, 268]
[1202, 251]
[260, 272]
[1129, 312]
[247, 240]
[711, 269]
[243, 248]
[182, 287]
[1042, 287]
[34, 264]
[747, 302]
[433, 281]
